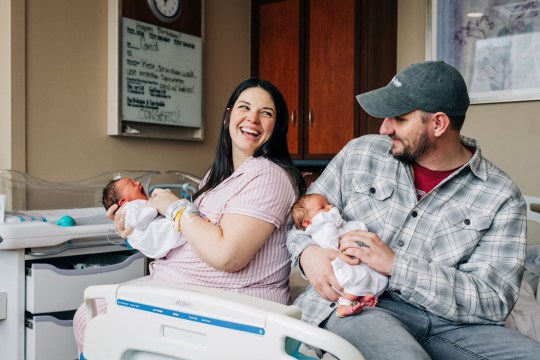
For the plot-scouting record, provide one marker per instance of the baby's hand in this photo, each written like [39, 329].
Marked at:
[349, 259]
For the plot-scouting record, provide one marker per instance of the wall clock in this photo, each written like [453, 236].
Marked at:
[166, 10]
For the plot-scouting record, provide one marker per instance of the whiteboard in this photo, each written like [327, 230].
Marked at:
[161, 75]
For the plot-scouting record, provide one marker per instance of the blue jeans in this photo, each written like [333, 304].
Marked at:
[397, 330]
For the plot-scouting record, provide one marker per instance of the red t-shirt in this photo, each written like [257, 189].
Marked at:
[425, 179]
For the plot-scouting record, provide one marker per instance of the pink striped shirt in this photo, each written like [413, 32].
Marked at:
[258, 188]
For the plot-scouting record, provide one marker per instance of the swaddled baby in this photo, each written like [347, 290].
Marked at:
[322, 221]
[153, 235]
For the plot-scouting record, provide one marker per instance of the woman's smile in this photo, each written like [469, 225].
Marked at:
[252, 122]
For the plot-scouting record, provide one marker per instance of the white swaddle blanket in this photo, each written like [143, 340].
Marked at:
[360, 280]
[153, 235]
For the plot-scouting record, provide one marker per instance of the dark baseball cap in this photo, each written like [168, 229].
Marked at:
[431, 86]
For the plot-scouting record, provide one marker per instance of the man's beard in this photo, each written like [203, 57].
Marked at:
[409, 153]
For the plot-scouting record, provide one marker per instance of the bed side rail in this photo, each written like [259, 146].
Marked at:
[149, 321]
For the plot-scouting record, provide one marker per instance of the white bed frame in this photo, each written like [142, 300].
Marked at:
[152, 320]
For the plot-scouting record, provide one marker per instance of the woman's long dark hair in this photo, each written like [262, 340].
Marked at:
[274, 149]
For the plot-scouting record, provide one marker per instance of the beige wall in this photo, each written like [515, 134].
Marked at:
[67, 91]
[67, 81]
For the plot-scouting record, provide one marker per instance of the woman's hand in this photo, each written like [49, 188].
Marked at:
[111, 211]
[161, 199]
[116, 214]
[315, 262]
[369, 249]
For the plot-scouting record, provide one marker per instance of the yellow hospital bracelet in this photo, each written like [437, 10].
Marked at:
[177, 218]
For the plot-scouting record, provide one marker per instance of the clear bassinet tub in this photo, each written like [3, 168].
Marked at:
[25, 192]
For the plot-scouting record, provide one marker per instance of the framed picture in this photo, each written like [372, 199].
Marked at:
[494, 44]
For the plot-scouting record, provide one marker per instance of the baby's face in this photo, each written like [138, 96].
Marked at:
[317, 204]
[129, 190]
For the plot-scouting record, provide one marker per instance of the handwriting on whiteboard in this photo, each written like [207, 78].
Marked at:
[161, 75]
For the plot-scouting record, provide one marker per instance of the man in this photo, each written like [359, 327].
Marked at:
[445, 224]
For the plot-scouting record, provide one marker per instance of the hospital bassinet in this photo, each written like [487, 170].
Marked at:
[45, 267]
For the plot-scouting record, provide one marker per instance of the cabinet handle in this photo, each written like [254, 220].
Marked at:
[310, 118]
[293, 118]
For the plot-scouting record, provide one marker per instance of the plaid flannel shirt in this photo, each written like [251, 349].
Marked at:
[459, 251]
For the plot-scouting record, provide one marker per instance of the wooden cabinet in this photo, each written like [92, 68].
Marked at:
[320, 54]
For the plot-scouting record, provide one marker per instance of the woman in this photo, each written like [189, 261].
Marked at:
[247, 195]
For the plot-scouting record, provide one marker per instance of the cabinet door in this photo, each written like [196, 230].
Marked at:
[278, 57]
[331, 78]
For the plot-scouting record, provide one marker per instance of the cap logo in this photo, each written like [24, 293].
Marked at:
[396, 82]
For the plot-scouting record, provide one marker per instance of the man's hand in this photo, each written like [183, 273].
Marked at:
[369, 249]
[315, 262]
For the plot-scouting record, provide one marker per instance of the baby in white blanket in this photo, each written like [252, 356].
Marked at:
[322, 221]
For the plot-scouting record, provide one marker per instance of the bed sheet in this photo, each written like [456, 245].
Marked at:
[525, 317]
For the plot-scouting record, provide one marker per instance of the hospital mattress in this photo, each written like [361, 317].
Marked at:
[88, 223]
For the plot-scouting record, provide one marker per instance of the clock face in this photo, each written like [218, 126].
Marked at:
[166, 10]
